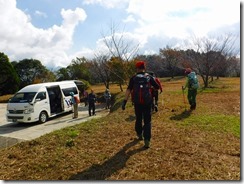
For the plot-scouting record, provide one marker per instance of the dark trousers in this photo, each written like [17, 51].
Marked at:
[107, 103]
[192, 93]
[91, 109]
[143, 112]
[154, 99]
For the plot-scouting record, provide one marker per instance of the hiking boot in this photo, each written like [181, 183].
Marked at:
[193, 106]
[140, 137]
[147, 144]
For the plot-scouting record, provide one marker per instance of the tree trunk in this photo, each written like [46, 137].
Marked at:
[121, 89]
[205, 80]
[212, 79]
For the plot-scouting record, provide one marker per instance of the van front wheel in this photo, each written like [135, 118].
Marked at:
[43, 117]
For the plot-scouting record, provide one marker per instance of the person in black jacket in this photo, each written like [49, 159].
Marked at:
[91, 103]
[143, 105]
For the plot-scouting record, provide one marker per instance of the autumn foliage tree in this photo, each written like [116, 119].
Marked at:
[171, 59]
[118, 71]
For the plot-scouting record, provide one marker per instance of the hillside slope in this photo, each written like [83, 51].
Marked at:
[199, 145]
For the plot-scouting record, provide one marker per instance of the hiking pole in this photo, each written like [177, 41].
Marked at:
[184, 97]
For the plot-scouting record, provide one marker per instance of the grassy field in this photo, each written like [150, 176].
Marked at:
[199, 145]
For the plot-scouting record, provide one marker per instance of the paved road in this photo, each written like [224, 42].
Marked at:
[12, 133]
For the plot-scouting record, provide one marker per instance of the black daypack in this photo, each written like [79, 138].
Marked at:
[141, 89]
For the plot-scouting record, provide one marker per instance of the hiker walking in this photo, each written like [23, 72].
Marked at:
[192, 85]
[74, 101]
[155, 92]
[107, 96]
[139, 88]
[91, 103]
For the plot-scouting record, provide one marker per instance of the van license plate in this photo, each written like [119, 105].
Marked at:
[14, 120]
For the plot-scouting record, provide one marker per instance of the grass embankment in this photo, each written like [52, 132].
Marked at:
[202, 145]
[5, 98]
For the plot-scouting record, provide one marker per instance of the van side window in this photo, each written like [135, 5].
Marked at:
[67, 91]
[41, 95]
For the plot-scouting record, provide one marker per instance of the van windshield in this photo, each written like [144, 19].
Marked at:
[23, 97]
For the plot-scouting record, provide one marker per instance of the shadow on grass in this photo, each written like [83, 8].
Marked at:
[130, 118]
[185, 114]
[109, 167]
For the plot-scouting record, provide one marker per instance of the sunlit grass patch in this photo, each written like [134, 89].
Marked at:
[5, 98]
[214, 122]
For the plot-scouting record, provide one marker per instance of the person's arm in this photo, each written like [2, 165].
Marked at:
[186, 84]
[160, 85]
[154, 83]
[95, 98]
[127, 93]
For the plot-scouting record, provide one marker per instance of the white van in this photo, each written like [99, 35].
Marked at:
[38, 102]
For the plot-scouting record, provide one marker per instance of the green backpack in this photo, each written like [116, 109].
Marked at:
[193, 81]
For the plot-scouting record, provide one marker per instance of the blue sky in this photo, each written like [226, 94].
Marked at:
[57, 31]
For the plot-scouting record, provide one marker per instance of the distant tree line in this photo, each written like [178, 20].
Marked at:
[209, 59]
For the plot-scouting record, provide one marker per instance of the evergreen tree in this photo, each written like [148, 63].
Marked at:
[9, 80]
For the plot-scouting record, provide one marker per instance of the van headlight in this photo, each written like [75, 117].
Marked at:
[28, 111]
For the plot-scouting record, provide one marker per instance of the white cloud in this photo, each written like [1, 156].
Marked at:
[130, 18]
[180, 18]
[107, 3]
[84, 52]
[126, 42]
[40, 14]
[72, 18]
[20, 39]
[156, 23]
[159, 23]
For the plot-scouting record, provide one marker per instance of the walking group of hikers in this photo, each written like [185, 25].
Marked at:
[143, 88]
[90, 100]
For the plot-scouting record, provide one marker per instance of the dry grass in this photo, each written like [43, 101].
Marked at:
[5, 98]
[202, 145]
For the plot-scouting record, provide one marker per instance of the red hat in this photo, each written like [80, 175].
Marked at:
[140, 65]
[187, 70]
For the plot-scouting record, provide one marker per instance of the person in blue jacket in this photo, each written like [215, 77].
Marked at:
[91, 103]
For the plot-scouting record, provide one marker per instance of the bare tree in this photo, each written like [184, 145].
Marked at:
[100, 68]
[120, 45]
[209, 55]
[171, 59]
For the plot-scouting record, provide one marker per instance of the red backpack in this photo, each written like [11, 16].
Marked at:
[77, 100]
